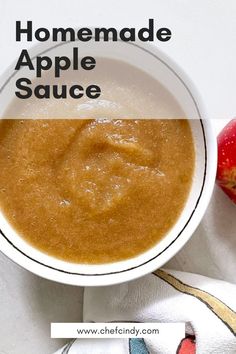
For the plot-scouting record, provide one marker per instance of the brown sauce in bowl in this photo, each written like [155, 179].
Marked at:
[94, 191]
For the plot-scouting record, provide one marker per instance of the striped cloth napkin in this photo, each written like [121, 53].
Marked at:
[207, 307]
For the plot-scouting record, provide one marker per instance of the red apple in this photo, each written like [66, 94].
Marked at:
[226, 171]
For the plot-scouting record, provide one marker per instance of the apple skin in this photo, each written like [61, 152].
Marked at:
[226, 170]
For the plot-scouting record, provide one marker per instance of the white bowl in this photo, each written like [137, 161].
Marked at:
[150, 59]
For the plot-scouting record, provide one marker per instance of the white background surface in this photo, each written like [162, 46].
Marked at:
[204, 45]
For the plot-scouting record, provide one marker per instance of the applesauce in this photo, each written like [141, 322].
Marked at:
[94, 191]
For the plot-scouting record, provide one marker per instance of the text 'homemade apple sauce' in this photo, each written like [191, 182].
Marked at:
[94, 191]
